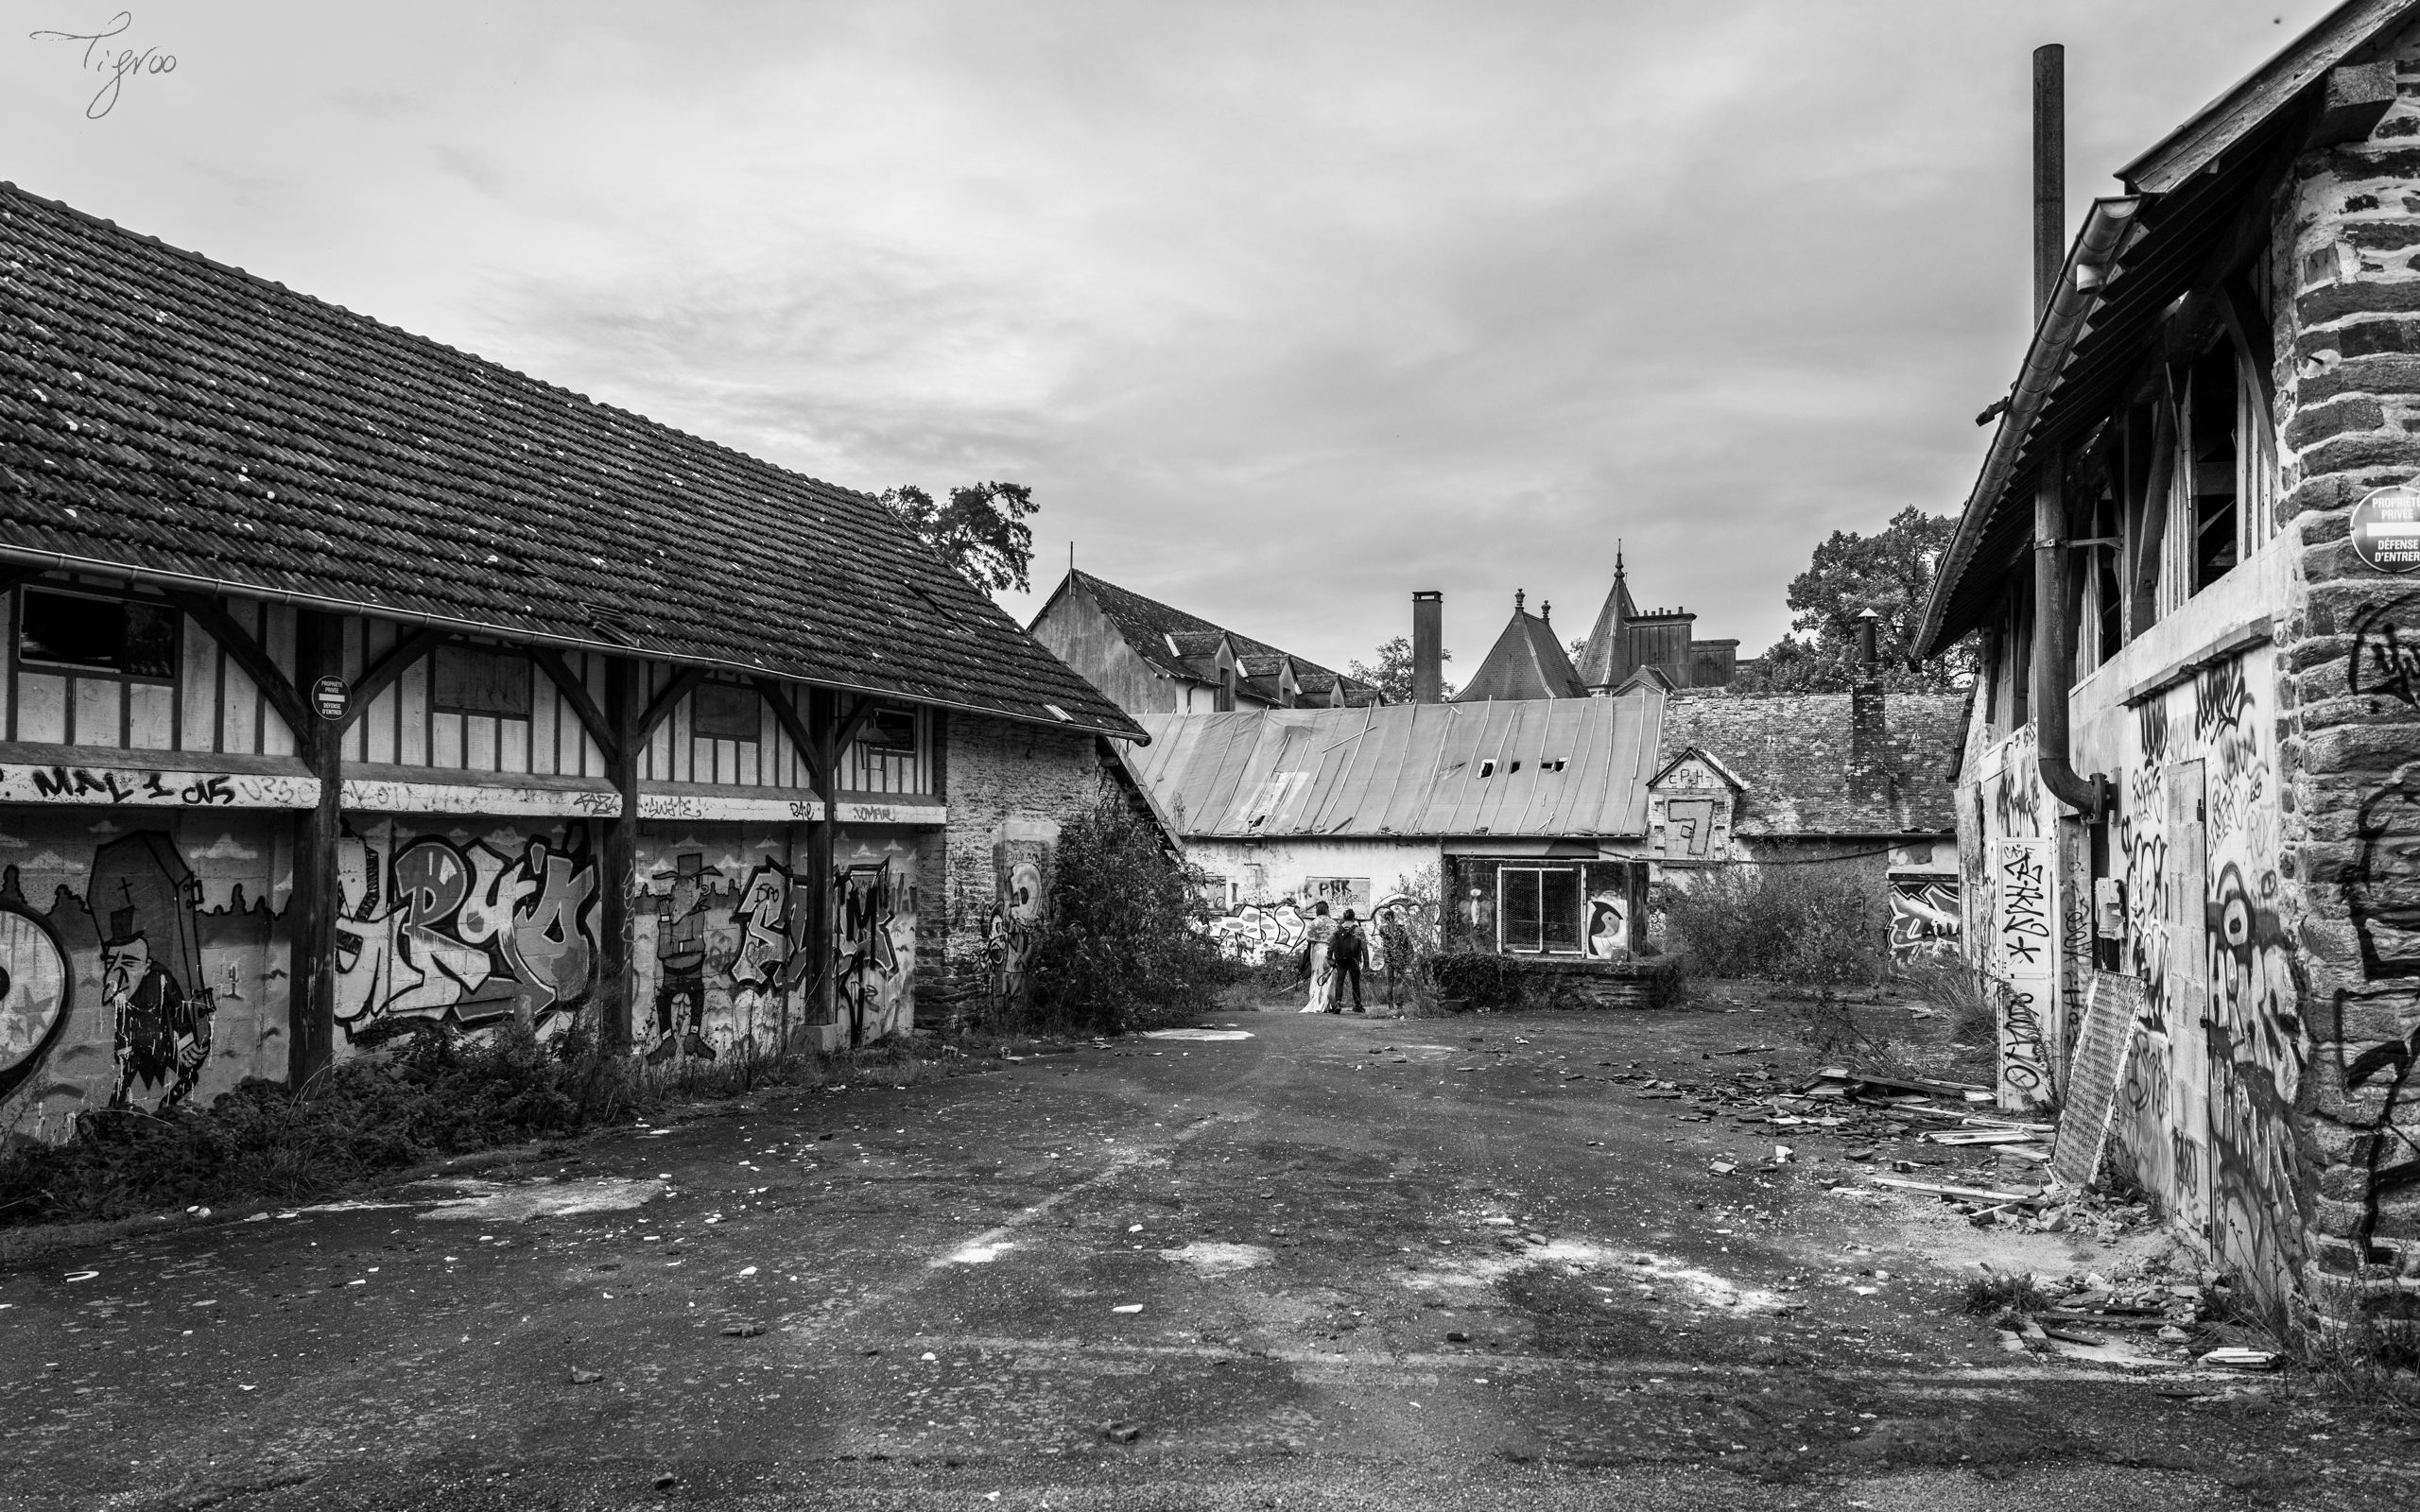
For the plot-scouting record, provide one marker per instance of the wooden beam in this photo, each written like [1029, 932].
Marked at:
[776, 697]
[280, 690]
[820, 947]
[852, 725]
[661, 709]
[618, 844]
[319, 900]
[574, 693]
[2250, 330]
[2142, 607]
[382, 673]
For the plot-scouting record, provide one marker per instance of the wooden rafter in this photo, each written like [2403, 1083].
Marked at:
[576, 694]
[660, 708]
[382, 673]
[279, 689]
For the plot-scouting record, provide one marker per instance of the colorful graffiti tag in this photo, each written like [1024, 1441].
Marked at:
[464, 934]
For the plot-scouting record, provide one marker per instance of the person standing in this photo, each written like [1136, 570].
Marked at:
[1321, 930]
[1345, 954]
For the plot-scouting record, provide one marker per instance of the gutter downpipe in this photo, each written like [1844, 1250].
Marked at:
[2073, 283]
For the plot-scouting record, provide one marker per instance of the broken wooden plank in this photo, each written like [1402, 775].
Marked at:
[1942, 1189]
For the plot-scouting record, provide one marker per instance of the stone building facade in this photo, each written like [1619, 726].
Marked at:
[2192, 779]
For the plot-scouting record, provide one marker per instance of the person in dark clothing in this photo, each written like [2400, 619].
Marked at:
[1345, 954]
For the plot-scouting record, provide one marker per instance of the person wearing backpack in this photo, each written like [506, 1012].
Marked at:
[1345, 954]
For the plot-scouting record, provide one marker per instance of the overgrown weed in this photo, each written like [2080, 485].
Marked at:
[434, 1094]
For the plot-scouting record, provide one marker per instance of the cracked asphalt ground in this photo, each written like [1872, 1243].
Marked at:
[1343, 1262]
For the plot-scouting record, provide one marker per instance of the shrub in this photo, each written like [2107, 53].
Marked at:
[1824, 925]
[1963, 995]
[1122, 940]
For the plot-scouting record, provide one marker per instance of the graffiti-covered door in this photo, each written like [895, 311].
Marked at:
[2189, 996]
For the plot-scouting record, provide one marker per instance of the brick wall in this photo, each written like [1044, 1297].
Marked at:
[2345, 279]
[1009, 787]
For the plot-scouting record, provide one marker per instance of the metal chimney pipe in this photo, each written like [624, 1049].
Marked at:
[1868, 658]
[2050, 173]
[1427, 646]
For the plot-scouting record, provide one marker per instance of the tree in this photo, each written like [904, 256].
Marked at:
[1890, 572]
[1392, 675]
[980, 533]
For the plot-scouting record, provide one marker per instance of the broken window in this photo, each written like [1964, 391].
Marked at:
[113, 637]
[1538, 910]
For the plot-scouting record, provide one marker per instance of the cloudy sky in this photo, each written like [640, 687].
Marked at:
[1284, 310]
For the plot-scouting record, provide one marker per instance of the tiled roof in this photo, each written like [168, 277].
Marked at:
[1147, 626]
[164, 412]
[1526, 661]
[1575, 768]
[1792, 752]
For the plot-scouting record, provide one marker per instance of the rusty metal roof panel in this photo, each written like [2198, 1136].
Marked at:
[1409, 769]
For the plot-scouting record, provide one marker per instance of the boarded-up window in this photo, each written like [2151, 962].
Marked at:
[98, 635]
[726, 711]
[478, 679]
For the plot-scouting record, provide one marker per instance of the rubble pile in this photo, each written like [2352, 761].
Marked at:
[2145, 1320]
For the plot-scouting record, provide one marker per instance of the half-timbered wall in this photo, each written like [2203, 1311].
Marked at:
[488, 709]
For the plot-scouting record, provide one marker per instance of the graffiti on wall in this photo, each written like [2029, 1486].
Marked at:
[467, 935]
[1608, 925]
[35, 994]
[1261, 932]
[2381, 892]
[730, 960]
[2383, 663]
[2022, 953]
[1021, 852]
[871, 972]
[121, 992]
[1925, 918]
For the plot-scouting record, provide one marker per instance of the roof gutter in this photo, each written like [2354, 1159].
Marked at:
[2105, 235]
[227, 587]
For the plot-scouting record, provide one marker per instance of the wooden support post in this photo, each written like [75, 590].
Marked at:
[618, 857]
[311, 981]
[820, 936]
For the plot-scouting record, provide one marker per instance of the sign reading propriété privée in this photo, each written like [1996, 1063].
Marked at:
[332, 698]
[2385, 529]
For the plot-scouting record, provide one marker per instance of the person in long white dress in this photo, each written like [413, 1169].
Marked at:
[1320, 930]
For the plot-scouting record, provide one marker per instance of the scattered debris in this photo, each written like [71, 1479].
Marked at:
[2234, 1358]
[585, 1378]
[1128, 1307]
[1121, 1433]
[746, 1330]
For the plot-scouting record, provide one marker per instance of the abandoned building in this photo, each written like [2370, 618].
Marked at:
[1150, 658]
[1538, 825]
[354, 684]
[2190, 803]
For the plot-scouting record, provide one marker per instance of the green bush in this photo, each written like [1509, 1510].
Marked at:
[1122, 941]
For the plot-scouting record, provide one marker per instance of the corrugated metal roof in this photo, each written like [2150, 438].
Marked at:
[1407, 769]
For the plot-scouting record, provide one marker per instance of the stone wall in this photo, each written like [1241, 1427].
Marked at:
[2345, 278]
[1009, 786]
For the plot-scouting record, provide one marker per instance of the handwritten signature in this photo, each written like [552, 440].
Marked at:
[120, 63]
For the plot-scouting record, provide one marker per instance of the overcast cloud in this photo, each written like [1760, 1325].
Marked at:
[1284, 310]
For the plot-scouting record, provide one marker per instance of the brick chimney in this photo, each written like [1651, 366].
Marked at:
[1869, 762]
[1427, 646]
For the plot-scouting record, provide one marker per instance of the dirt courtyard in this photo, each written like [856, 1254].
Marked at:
[1303, 1260]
